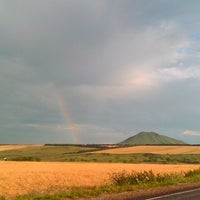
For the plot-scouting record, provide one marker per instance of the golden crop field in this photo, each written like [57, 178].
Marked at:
[12, 147]
[25, 177]
[154, 150]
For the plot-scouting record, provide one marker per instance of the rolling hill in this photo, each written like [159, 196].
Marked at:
[150, 138]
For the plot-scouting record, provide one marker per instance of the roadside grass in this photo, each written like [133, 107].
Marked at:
[118, 182]
[145, 178]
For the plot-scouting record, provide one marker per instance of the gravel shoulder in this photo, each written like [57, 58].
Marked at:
[148, 193]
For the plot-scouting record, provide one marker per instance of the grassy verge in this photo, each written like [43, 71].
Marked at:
[120, 182]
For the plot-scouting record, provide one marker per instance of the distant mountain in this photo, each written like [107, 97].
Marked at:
[148, 138]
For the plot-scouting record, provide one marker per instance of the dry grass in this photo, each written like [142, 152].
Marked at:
[12, 147]
[24, 177]
[154, 150]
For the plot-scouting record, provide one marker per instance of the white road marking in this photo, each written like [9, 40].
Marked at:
[177, 193]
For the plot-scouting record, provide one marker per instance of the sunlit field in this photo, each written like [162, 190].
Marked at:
[154, 150]
[18, 178]
[12, 147]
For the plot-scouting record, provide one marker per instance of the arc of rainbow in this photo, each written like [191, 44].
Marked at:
[68, 117]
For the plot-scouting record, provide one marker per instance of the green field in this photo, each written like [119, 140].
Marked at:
[75, 153]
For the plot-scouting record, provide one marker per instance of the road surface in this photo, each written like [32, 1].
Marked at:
[184, 195]
[187, 191]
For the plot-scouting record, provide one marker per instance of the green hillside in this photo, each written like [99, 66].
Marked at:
[151, 138]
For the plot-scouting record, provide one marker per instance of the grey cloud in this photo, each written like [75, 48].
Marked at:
[122, 65]
[81, 40]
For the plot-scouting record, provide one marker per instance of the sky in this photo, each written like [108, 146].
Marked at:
[98, 71]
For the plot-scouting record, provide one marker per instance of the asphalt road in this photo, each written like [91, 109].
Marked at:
[187, 191]
[184, 195]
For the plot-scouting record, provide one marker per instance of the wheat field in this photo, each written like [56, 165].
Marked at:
[13, 147]
[17, 178]
[154, 150]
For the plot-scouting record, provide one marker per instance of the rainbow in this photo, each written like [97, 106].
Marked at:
[68, 117]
